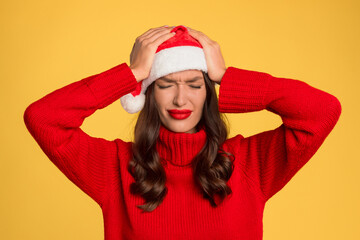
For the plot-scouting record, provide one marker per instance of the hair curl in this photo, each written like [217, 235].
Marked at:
[211, 166]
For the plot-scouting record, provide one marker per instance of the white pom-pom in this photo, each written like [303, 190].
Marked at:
[133, 104]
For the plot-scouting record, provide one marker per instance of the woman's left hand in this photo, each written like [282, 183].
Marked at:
[214, 59]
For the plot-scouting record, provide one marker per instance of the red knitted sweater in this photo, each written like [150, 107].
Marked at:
[264, 163]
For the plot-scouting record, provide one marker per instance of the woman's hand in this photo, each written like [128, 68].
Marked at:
[214, 59]
[143, 51]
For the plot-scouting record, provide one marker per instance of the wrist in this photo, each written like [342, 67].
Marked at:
[137, 75]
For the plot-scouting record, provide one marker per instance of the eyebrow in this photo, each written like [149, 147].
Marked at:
[173, 81]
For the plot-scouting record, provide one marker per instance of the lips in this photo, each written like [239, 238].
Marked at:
[180, 114]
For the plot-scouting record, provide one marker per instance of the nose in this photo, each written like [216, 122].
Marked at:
[180, 96]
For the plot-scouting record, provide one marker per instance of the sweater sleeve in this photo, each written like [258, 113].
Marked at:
[271, 158]
[54, 122]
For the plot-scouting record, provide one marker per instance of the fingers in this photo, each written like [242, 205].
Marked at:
[201, 37]
[151, 38]
[155, 34]
[162, 38]
[151, 30]
[158, 36]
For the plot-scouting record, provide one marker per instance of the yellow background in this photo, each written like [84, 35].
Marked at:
[46, 45]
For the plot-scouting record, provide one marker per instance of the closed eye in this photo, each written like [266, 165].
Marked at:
[162, 87]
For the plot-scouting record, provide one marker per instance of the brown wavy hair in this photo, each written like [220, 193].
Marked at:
[211, 166]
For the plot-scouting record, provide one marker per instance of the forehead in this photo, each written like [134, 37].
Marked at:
[183, 76]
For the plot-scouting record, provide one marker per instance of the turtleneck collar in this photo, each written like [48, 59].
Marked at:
[179, 148]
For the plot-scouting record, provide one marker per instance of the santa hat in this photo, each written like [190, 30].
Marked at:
[178, 53]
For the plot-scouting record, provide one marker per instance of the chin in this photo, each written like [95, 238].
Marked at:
[179, 128]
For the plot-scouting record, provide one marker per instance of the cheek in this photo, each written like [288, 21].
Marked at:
[199, 98]
[161, 98]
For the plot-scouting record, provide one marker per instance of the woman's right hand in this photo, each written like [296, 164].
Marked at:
[144, 49]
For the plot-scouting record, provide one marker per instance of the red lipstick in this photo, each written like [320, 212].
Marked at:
[179, 114]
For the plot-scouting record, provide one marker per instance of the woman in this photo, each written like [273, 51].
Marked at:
[182, 178]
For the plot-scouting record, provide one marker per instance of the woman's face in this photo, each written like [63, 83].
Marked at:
[180, 91]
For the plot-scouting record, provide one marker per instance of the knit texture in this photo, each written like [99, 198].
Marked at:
[264, 163]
